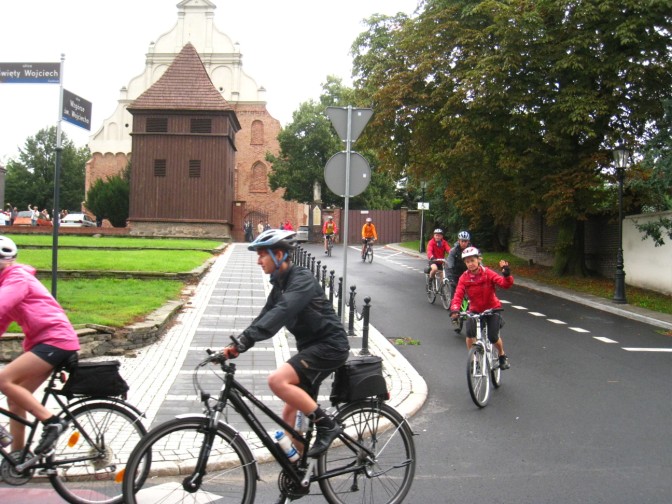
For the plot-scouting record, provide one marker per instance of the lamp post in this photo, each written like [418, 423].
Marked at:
[621, 155]
[423, 186]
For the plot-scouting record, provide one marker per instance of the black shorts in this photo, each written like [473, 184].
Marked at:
[51, 354]
[312, 368]
[494, 322]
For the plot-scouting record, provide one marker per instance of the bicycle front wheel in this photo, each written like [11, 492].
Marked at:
[369, 254]
[429, 286]
[229, 475]
[495, 372]
[478, 377]
[90, 455]
[383, 476]
[445, 295]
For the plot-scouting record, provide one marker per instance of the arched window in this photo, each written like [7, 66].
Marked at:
[257, 137]
[259, 180]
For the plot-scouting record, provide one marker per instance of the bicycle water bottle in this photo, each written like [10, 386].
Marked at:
[5, 437]
[286, 445]
[300, 424]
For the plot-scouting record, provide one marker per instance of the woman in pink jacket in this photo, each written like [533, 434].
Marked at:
[50, 340]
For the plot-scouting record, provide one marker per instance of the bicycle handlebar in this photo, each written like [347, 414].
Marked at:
[475, 315]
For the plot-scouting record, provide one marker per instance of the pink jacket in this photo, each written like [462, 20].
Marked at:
[24, 300]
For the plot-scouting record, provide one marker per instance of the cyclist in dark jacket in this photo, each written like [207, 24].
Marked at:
[298, 303]
[454, 264]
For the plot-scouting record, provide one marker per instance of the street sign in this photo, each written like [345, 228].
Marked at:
[423, 205]
[30, 73]
[76, 110]
[360, 173]
[339, 118]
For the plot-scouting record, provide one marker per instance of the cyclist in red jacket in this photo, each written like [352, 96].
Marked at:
[437, 248]
[479, 283]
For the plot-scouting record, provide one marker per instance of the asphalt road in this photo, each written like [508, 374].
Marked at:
[583, 415]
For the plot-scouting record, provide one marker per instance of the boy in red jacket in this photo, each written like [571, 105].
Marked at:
[479, 284]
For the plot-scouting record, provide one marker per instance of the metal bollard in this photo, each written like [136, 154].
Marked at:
[365, 326]
[312, 265]
[317, 270]
[304, 255]
[351, 317]
[324, 277]
[331, 287]
[340, 296]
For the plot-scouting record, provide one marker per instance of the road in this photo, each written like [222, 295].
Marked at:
[583, 415]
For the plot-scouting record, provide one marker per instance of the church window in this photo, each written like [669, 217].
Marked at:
[257, 137]
[159, 167]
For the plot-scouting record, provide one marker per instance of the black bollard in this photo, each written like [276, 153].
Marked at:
[351, 317]
[365, 326]
[331, 287]
[324, 277]
[317, 270]
[312, 265]
[340, 296]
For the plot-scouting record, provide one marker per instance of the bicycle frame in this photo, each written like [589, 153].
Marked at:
[233, 392]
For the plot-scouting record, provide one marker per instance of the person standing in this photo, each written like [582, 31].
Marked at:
[260, 228]
[247, 228]
[50, 340]
[12, 216]
[35, 214]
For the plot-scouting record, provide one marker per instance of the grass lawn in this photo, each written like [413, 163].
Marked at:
[597, 286]
[28, 240]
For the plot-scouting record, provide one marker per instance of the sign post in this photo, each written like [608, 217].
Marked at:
[349, 124]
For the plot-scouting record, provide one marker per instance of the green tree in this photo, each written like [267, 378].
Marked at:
[514, 106]
[109, 198]
[309, 141]
[30, 178]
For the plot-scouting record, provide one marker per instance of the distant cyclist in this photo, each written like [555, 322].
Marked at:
[329, 229]
[479, 283]
[437, 248]
[368, 233]
[454, 264]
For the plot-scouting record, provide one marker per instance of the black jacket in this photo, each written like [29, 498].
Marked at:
[454, 264]
[298, 303]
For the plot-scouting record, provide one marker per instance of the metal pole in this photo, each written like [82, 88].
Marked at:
[619, 285]
[351, 318]
[57, 191]
[365, 326]
[422, 222]
[346, 207]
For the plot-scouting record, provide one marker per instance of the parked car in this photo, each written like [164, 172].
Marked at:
[23, 219]
[77, 220]
[302, 234]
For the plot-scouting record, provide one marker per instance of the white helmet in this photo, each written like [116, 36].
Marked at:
[463, 235]
[470, 252]
[8, 250]
[369, 219]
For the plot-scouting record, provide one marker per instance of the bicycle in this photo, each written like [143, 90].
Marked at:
[368, 251]
[330, 243]
[374, 456]
[84, 465]
[438, 286]
[483, 361]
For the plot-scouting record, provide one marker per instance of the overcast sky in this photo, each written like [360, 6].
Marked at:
[289, 47]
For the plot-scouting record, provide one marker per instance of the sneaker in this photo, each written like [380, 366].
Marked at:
[504, 362]
[50, 434]
[325, 435]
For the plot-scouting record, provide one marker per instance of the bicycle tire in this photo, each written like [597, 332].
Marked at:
[107, 430]
[445, 295]
[330, 245]
[385, 479]
[369, 254]
[429, 286]
[230, 475]
[478, 377]
[495, 372]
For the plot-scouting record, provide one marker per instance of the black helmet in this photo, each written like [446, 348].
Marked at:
[274, 239]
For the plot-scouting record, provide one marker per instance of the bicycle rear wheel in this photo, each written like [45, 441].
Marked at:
[230, 474]
[386, 476]
[478, 376]
[91, 453]
[429, 286]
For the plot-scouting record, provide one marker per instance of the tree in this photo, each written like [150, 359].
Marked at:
[514, 106]
[30, 178]
[308, 142]
[109, 198]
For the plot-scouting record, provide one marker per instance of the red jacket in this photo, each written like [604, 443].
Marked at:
[437, 251]
[480, 288]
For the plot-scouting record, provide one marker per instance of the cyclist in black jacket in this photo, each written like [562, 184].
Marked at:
[455, 265]
[298, 303]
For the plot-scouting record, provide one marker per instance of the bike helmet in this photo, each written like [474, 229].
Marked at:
[8, 250]
[330, 217]
[438, 231]
[274, 239]
[463, 235]
[470, 252]
[369, 219]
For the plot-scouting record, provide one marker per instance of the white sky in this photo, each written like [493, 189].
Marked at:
[289, 47]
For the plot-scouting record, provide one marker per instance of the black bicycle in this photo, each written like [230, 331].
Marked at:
[201, 458]
[86, 463]
[368, 251]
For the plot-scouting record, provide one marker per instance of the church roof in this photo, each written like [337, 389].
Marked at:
[186, 85]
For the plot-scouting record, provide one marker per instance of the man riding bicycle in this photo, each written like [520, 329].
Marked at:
[297, 302]
[437, 248]
[368, 233]
[479, 282]
[454, 264]
[329, 229]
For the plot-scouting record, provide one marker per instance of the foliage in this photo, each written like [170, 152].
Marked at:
[514, 106]
[30, 178]
[307, 144]
[109, 198]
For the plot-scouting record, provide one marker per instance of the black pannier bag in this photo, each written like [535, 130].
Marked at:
[96, 379]
[360, 377]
